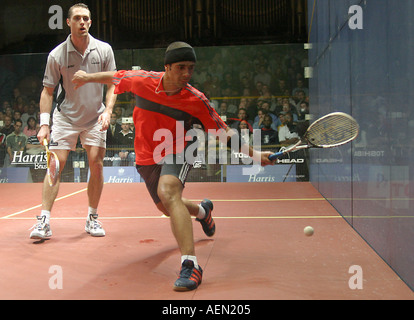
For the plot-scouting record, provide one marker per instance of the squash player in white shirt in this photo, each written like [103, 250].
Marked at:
[79, 113]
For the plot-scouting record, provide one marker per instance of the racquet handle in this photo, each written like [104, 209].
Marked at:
[276, 156]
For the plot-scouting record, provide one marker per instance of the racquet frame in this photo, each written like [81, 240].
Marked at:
[306, 141]
[51, 178]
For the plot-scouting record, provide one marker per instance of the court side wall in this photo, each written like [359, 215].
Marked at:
[362, 61]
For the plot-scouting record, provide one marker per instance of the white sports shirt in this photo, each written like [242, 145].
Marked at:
[83, 106]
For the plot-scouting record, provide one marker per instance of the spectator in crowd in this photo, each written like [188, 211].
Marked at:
[269, 136]
[281, 121]
[31, 112]
[252, 109]
[17, 115]
[8, 127]
[268, 96]
[243, 103]
[16, 94]
[241, 116]
[125, 139]
[224, 112]
[15, 142]
[2, 148]
[257, 90]
[6, 104]
[281, 88]
[111, 140]
[216, 70]
[287, 132]
[298, 99]
[231, 103]
[245, 83]
[288, 107]
[208, 81]
[30, 129]
[263, 76]
[265, 108]
[8, 111]
[300, 85]
[19, 104]
[303, 110]
[214, 86]
[113, 129]
[200, 74]
[245, 133]
[119, 111]
[229, 85]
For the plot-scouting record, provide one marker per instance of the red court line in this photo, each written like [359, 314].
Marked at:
[139, 259]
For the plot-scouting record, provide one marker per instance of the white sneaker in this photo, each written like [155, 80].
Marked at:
[94, 226]
[41, 230]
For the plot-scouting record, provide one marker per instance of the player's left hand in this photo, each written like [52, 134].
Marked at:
[104, 120]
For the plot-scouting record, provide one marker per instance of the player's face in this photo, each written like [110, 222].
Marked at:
[79, 22]
[180, 73]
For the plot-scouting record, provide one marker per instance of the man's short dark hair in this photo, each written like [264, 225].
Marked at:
[78, 5]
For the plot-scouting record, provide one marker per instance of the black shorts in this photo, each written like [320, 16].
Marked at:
[152, 173]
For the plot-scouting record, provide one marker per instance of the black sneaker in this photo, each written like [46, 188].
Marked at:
[209, 227]
[190, 277]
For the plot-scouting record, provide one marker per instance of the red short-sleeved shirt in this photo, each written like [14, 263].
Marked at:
[154, 111]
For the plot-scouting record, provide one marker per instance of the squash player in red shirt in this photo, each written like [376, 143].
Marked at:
[165, 100]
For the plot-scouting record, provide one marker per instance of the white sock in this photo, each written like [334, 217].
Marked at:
[192, 258]
[91, 211]
[46, 214]
[201, 212]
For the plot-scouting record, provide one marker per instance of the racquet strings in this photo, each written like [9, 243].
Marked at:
[333, 130]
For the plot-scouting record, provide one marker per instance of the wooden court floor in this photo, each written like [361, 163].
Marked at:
[259, 251]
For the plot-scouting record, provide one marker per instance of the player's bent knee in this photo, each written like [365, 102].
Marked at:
[168, 193]
[161, 208]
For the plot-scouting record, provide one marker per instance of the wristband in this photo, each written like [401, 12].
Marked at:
[44, 119]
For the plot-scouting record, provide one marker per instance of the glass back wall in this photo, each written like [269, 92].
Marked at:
[362, 64]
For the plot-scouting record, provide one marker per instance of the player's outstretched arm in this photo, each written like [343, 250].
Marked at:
[81, 77]
[261, 157]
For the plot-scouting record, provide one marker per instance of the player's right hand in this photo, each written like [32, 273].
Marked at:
[79, 79]
[44, 133]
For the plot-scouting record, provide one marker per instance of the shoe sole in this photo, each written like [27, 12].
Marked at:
[39, 237]
[210, 205]
[185, 288]
[182, 289]
[95, 235]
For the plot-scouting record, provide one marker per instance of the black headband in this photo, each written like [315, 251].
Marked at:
[179, 54]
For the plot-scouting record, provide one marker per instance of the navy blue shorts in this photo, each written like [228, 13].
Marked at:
[152, 173]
